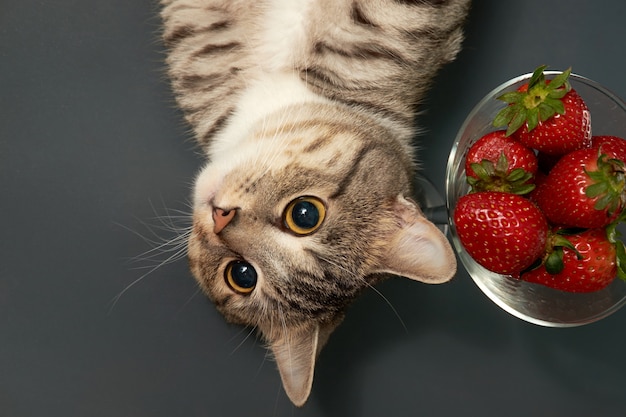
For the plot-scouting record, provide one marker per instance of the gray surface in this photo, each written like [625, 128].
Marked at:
[91, 146]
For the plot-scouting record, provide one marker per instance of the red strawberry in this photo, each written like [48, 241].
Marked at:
[587, 264]
[540, 178]
[548, 116]
[610, 145]
[584, 189]
[496, 162]
[503, 232]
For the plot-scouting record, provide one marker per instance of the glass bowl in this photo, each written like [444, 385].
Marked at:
[532, 302]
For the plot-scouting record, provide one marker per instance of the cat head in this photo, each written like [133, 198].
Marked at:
[291, 227]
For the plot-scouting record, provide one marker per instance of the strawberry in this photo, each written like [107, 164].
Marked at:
[496, 162]
[548, 116]
[615, 237]
[586, 263]
[503, 232]
[584, 189]
[540, 178]
[610, 144]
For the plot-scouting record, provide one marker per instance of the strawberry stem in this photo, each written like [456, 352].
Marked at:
[614, 236]
[553, 261]
[609, 185]
[495, 177]
[540, 101]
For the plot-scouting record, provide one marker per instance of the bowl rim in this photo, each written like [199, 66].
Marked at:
[495, 298]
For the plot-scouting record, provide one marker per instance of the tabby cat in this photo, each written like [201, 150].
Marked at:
[305, 110]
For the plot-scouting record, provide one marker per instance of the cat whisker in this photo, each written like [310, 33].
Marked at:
[179, 253]
[166, 261]
[146, 239]
[167, 220]
[267, 356]
[393, 309]
[163, 250]
[165, 223]
[239, 332]
[159, 247]
[372, 287]
[186, 303]
[244, 339]
[178, 224]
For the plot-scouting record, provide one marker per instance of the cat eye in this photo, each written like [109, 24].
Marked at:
[241, 277]
[304, 215]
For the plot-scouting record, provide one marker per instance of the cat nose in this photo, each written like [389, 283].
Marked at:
[221, 218]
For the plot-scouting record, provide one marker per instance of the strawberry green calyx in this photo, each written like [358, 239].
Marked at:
[554, 257]
[537, 103]
[609, 185]
[614, 236]
[498, 178]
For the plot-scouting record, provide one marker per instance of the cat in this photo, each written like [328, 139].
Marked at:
[305, 110]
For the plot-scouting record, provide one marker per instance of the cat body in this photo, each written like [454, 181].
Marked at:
[305, 110]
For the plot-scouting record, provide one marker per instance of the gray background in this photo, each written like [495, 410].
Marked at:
[96, 166]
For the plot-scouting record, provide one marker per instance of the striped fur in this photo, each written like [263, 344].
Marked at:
[293, 98]
[377, 55]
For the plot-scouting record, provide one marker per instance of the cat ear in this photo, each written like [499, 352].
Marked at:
[417, 249]
[295, 353]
